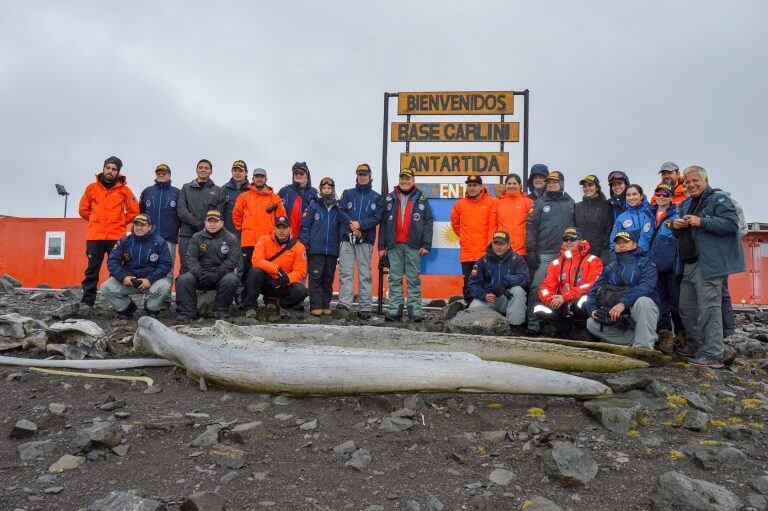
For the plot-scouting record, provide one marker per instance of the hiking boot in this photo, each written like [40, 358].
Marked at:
[183, 319]
[364, 315]
[416, 318]
[666, 342]
[127, 313]
[705, 363]
[316, 312]
[151, 313]
[327, 312]
[395, 316]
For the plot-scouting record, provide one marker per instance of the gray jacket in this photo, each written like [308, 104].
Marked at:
[195, 200]
[419, 221]
[218, 253]
[546, 222]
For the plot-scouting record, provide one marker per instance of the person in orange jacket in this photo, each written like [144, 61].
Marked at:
[512, 213]
[563, 292]
[473, 219]
[279, 267]
[254, 216]
[109, 206]
[670, 174]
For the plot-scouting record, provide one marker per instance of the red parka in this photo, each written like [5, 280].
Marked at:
[474, 222]
[571, 275]
[108, 210]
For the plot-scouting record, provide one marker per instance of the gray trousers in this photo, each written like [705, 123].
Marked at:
[533, 295]
[404, 260]
[350, 254]
[701, 302]
[512, 308]
[645, 313]
[172, 249]
[118, 295]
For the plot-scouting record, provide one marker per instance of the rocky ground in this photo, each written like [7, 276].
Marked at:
[672, 438]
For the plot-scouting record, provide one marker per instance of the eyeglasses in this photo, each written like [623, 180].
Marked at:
[663, 194]
[567, 239]
[140, 224]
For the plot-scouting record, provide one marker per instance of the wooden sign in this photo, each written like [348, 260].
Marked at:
[455, 131]
[455, 164]
[455, 103]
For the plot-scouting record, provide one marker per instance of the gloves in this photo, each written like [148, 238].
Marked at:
[499, 290]
[533, 262]
[283, 277]
[207, 280]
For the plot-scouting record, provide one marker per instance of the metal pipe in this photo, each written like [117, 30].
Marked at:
[526, 108]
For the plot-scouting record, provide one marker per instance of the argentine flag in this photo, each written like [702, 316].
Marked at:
[443, 259]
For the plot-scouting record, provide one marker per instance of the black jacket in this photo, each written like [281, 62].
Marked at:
[419, 221]
[546, 222]
[594, 217]
[213, 253]
[195, 200]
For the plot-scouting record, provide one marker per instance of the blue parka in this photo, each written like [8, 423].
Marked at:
[510, 270]
[320, 228]
[159, 202]
[289, 193]
[144, 257]
[639, 220]
[360, 204]
[639, 272]
[231, 192]
[663, 244]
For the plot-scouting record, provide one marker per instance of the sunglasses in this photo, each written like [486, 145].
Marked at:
[569, 238]
[663, 194]
[140, 224]
[614, 176]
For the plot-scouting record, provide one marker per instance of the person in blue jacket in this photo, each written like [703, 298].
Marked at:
[637, 218]
[360, 210]
[498, 281]
[618, 182]
[235, 187]
[298, 195]
[320, 234]
[139, 263]
[663, 253]
[625, 289]
[159, 203]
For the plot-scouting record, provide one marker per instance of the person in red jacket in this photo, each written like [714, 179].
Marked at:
[474, 221]
[109, 206]
[563, 292]
[512, 215]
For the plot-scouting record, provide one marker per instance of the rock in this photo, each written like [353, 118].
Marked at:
[436, 303]
[760, 485]
[542, 504]
[251, 433]
[96, 455]
[30, 332]
[480, 321]
[614, 414]
[283, 416]
[53, 490]
[67, 310]
[713, 457]
[258, 407]
[413, 402]
[619, 384]
[675, 492]
[5, 285]
[57, 408]
[696, 420]
[493, 437]
[651, 441]
[433, 503]
[757, 501]
[13, 281]
[23, 429]
[203, 501]
[729, 355]
[207, 438]
[374, 507]
[113, 405]
[359, 460]
[345, 448]
[283, 401]
[100, 434]
[121, 450]
[751, 348]
[32, 450]
[569, 464]
[478, 502]
[741, 434]
[696, 401]
[395, 424]
[66, 462]
[77, 338]
[125, 501]
[227, 456]
[403, 412]
[309, 425]
[452, 309]
[502, 477]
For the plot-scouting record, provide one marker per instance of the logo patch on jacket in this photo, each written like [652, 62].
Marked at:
[668, 224]
[389, 207]
[349, 205]
[421, 207]
[203, 248]
[126, 257]
[148, 203]
[172, 204]
[373, 206]
[647, 227]
[546, 209]
[224, 248]
[317, 216]
[416, 217]
[627, 223]
[154, 257]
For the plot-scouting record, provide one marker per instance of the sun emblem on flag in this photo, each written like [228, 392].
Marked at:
[449, 237]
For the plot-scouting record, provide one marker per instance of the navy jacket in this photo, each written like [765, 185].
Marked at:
[159, 202]
[145, 257]
[663, 251]
[420, 223]
[361, 204]
[717, 239]
[638, 270]
[320, 229]
[510, 270]
[546, 222]
[231, 193]
[289, 193]
[639, 220]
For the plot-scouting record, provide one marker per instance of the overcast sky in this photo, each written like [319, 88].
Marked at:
[613, 87]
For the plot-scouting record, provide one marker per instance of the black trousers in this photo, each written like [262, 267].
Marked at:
[95, 250]
[466, 269]
[563, 324]
[246, 256]
[321, 271]
[183, 246]
[257, 282]
[669, 297]
[187, 286]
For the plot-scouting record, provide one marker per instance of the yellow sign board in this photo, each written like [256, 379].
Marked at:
[455, 103]
[456, 164]
[455, 131]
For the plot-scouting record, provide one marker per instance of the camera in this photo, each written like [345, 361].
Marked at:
[136, 282]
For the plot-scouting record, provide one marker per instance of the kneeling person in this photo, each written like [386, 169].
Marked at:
[139, 263]
[279, 266]
[623, 304]
[212, 256]
[563, 292]
[498, 279]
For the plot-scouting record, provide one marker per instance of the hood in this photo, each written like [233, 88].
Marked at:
[547, 197]
[538, 169]
[582, 248]
[490, 255]
[482, 194]
[518, 193]
[267, 190]
[119, 179]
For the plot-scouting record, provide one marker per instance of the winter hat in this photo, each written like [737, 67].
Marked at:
[300, 166]
[114, 159]
[539, 169]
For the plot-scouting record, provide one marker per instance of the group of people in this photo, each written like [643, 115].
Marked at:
[623, 268]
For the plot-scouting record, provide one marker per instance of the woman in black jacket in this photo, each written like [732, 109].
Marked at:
[594, 217]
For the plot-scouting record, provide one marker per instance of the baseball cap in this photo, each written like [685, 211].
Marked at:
[163, 168]
[555, 175]
[363, 168]
[474, 179]
[300, 166]
[669, 166]
[571, 233]
[406, 172]
[664, 187]
[282, 220]
[259, 172]
[240, 164]
[142, 218]
[501, 236]
[590, 179]
[624, 235]
[213, 213]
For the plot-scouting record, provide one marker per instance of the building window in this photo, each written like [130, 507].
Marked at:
[54, 244]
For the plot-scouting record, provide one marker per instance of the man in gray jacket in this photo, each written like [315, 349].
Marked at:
[196, 198]
[709, 250]
[550, 215]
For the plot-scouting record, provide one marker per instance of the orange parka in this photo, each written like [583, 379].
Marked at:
[255, 212]
[108, 210]
[474, 222]
[679, 195]
[512, 213]
[571, 275]
[293, 261]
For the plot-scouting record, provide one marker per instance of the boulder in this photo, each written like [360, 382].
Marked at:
[207, 438]
[203, 501]
[760, 485]
[28, 331]
[614, 414]
[698, 402]
[481, 321]
[77, 339]
[99, 434]
[696, 420]
[227, 456]
[675, 491]
[359, 460]
[741, 433]
[13, 281]
[251, 433]
[453, 308]
[502, 477]
[710, 457]
[125, 501]
[542, 504]
[619, 384]
[569, 464]
[32, 450]
[23, 429]
[66, 462]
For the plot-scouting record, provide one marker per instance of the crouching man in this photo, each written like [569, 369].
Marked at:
[212, 256]
[279, 267]
[563, 292]
[623, 304]
[498, 279]
[138, 263]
